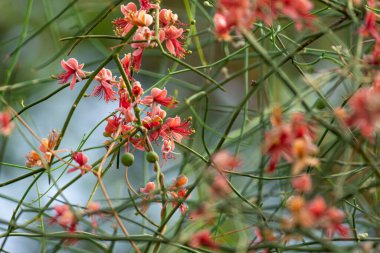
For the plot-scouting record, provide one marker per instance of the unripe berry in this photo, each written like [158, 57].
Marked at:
[152, 157]
[320, 104]
[127, 159]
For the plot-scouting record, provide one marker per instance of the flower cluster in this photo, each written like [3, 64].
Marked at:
[129, 93]
[232, 14]
[293, 141]
[169, 31]
[364, 113]
[315, 214]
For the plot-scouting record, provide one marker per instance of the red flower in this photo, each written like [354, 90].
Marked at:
[203, 239]
[106, 80]
[333, 223]
[146, 5]
[137, 90]
[73, 69]
[92, 210]
[82, 160]
[131, 18]
[126, 63]
[65, 218]
[293, 142]
[365, 111]
[6, 124]
[180, 195]
[175, 129]
[167, 17]
[298, 10]
[230, 14]
[370, 26]
[171, 35]
[149, 187]
[153, 124]
[159, 96]
[220, 187]
[123, 25]
[302, 183]
[112, 125]
[222, 27]
[143, 34]
[317, 207]
[167, 149]
[223, 160]
[278, 143]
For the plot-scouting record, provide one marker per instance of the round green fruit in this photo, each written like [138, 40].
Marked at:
[152, 157]
[127, 159]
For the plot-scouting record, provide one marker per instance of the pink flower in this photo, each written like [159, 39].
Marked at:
[92, 210]
[6, 124]
[82, 160]
[73, 69]
[106, 80]
[132, 17]
[146, 5]
[302, 183]
[231, 14]
[370, 26]
[317, 207]
[365, 111]
[149, 188]
[203, 239]
[298, 10]
[333, 223]
[167, 17]
[143, 34]
[33, 159]
[141, 18]
[223, 160]
[222, 28]
[175, 129]
[160, 97]
[167, 149]
[278, 143]
[65, 218]
[293, 141]
[126, 63]
[123, 25]
[112, 125]
[180, 195]
[124, 99]
[171, 35]
[137, 90]
[220, 187]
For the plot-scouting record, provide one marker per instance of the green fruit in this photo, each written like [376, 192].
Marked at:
[152, 157]
[320, 104]
[127, 159]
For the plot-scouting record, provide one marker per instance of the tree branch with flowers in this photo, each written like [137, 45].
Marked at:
[191, 126]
